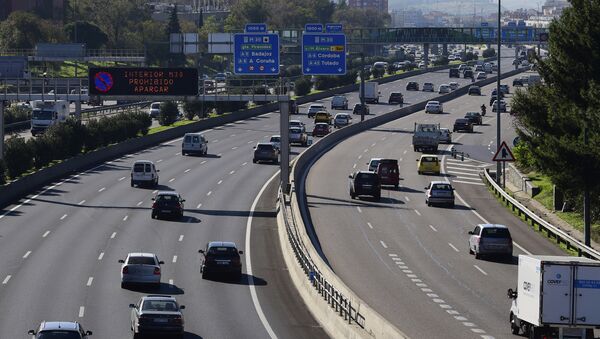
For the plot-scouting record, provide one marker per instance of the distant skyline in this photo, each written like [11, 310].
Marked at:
[507, 4]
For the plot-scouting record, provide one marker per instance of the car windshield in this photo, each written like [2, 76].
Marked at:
[366, 177]
[222, 251]
[441, 187]
[141, 261]
[492, 232]
[42, 114]
[58, 334]
[159, 305]
[155, 106]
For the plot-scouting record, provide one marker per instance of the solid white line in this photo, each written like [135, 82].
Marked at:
[433, 228]
[181, 237]
[220, 182]
[172, 141]
[125, 218]
[174, 259]
[6, 280]
[187, 170]
[101, 256]
[172, 179]
[418, 213]
[255, 300]
[469, 182]
[453, 247]
[370, 226]
[122, 178]
[480, 270]
[383, 244]
[26, 254]
[113, 235]
[359, 210]
[89, 282]
[139, 203]
[81, 202]
[63, 217]
[81, 311]
[45, 234]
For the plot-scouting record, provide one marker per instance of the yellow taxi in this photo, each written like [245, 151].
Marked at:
[323, 116]
[428, 163]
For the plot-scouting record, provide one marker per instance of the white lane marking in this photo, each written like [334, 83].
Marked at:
[480, 270]
[199, 205]
[113, 235]
[45, 234]
[178, 153]
[433, 228]
[101, 256]
[407, 271]
[220, 182]
[373, 144]
[209, 193]
[89, 282]
[159, 160]
[81, 202]
[359, 210]
[125, 218]
[139, 203]
[383, 244]
[453, 247]
[400, 159]
[402, 267]
[425, 289]
[63, 217]
[416, 280]
[407, 199]
[172, 179]
[203, 162]
[371, 227]
[255, 301]
[244, 164]
[468, 324]
[230, 173]
[413, 276]
[477, 179]
[155, 191]
[181, 238]
[26, 254]
[477, 170]
[122, 178]
[171, 282]
[418, 213]
[251, 141]
[469, 182]
[5, 281]
[444, 306]
[392, 255]
[234, 148]
[81, 311]
[477, 330]
[175, 140]
[354, 166]
[460, 318]
[187, 170]
[174, 259]
[366, 150]
[464, 173]
[452, 312]
[404, 152]
[453, 162]
[438, 301]
[219, 155]
[432, 295]
[359, 157]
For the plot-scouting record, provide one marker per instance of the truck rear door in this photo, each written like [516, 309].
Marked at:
[556, 294]
[587, 295]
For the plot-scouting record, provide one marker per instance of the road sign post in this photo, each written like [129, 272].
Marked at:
[323, 53]
[256, 52]
[503, 154]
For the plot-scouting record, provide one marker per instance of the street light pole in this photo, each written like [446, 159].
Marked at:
[362, 87]
[499, 173]
[586, 198]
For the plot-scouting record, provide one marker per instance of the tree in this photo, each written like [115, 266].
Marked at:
[21, 30]
[168, 113]
[87, 33]
[552, 116]
[245, 11]
[352, 17]
[488, 53]
[173, 24]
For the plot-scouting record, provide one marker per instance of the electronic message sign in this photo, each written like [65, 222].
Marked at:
[140, 81]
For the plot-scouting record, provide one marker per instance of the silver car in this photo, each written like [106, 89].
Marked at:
[141, 268]
[439, 192]
[492, 239]
[445, 136]
[157, 314]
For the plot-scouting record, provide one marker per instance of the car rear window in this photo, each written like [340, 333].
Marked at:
[461, 121]
[138, 167]
[429, 159]
[167, 198]
[222, 251]
[159, 305]
[441, 187]
[366, 177]
[266, 147]
[492, 232]
[59, 334]
[141, 261]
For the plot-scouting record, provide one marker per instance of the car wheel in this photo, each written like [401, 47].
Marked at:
[352, 195]
[419, 172]
[514, 325]
[123, 284]
[204, 274]
[254, 161]
[182, 153]
[477, 255]
[428, 203]
[132, 184]
[470, 250]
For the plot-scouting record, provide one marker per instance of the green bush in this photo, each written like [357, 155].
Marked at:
[16, 114]
[43, 150]
[302, 86]
[441, 61]
[18, 156]
[488, 53]
[2, 172]
[349, 78]
[168, 113]
[524, 157]
[377, 73]
[325, 82]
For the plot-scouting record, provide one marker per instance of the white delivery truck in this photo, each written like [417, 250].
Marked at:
[556, 297]
[47, 113]
[426, 138]
[371, 92]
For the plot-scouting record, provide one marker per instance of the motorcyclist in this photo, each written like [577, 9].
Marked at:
[483, 108]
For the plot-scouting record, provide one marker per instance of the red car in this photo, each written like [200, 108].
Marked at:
[321, 129]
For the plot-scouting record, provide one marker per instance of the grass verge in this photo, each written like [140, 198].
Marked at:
[166, 127]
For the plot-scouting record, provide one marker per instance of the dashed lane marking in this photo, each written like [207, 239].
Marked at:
[480, 270]
[81, 311]
[26, 254]
[433, 228]
[113, 235]
[63, 217]
[453, 247]
[371, 227]
[418, 213]
[81, 202]
[125, 218]
[5, 281]
[89, 282]
[174, 259]
[45, 234]
[181, 238]
[187, 170]
[358, 209]
[383, 244]
[101, 256]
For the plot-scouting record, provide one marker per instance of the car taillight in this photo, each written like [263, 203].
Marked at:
[177, 320]
[157, 270]
[236, 261]
[125, 270]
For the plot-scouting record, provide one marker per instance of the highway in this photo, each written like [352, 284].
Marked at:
[60, 246]
[399, 253]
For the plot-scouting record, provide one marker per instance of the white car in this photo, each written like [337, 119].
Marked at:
[298, 123]
[454, 85]
[154, 110]
[481, 76]
[141, 268]
[276, 141]
[434, 107]
[144, 172]
[373, 163]
[445, 136]
[341, 119]
[439, 192]
[428, 87]
[444, 88]
[502, 106]
[314, 108]
[297, 136]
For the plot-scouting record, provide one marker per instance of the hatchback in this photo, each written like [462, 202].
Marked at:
[502, 106]
[454, 85]
[396, 98]
[265, 152]
[60, 330]
[364, 183]
[154, 110]
[481, 76]
[157, 314]
[314, 108]
[167, 203]
[474, 117]
[321, 129]
[474, 90]
[412, 86]
[297, 136]
[140, 268]
[361, 109]
[341, 120]
[221, 257]
[144, 172]
[428, 87]
[323, 116]
[428, 163]
[444, 88]
[434, 107]
[467, 73]
[454, 73]
[463, 125]
[439, 192]
[492, 239]
[445, 136]
[194, 143]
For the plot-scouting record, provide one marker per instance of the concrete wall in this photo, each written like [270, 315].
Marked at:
[520, 180]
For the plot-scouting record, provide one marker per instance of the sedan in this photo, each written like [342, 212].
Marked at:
[444, 89]
[60, 329]
[474, 117]
[396, 98]
[474, 90]
[434, 107]
[481, 76]
[463, 125]
[321, 129]
[428, 87]
[341, 120]
[454, 85]
[140, 268]
[221, 257]
[412, 86]
[439, 192]
[167, 203]
[157, 314]
[360, 109]
[502, 106]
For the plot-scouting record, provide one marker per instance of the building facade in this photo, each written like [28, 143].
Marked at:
[47, 9]
[378, 5]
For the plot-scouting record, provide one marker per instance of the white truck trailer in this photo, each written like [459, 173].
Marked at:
[556, 297]
[426, 137]
[371, 92]
[47, 113]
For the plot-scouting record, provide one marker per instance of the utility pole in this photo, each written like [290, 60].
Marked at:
[362, 87]
[284, 126]
[586, 197]
[1, 130]
[499, 173]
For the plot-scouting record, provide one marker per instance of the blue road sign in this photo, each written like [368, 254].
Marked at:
[334, 28]
[256, 54]
[255, 28]
[313, 28]
[324, 54]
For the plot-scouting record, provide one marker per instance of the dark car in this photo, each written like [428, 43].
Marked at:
[463, 125]
[474, 90]
[504, 89]
[517, 82]
[264, 151]
[167, 203]
[364, 183]
[454, 73]
[412, 86]
[388, 172]
[321, 129]
[221, 257]
[474, 117]
[294, 109]
[396, 98]
[360, 108]
[60, 329]
[157, 314]
[467, 73]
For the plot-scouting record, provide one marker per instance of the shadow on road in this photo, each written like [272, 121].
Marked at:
[245, 279]
[164, 288]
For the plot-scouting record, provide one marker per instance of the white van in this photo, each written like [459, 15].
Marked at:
[154, 110]
[144, 172]
[194, 143]
[487, 67]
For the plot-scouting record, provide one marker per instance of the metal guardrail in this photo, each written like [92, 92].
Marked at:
[542, 225]
[341, 304]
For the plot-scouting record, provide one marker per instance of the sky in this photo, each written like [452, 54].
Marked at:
[507, 4]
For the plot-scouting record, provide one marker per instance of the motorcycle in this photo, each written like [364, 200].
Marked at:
[483, 109]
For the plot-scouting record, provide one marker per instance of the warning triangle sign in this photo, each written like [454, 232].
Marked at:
[504, 153]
